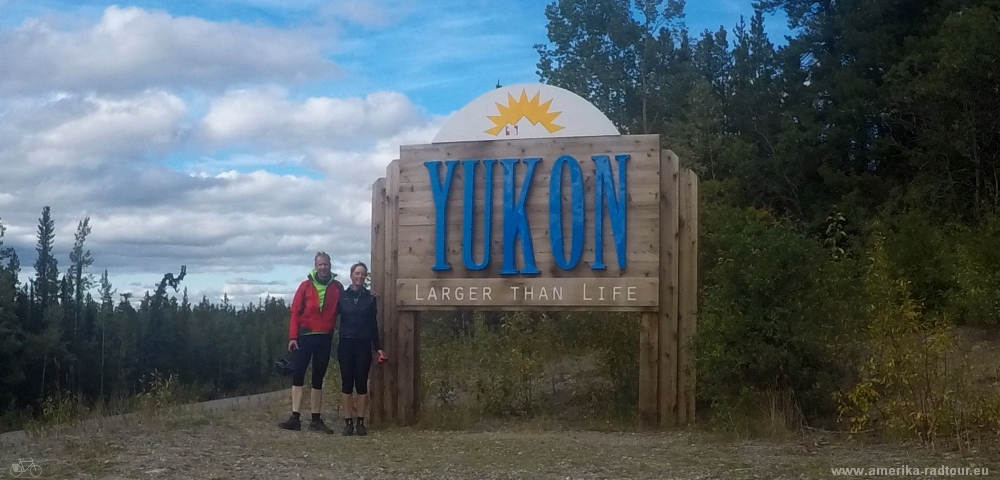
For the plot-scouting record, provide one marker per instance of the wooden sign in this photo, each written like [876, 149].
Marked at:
[541, 223]
[529, 199]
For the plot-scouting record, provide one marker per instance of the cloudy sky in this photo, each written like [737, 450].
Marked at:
[238, 137]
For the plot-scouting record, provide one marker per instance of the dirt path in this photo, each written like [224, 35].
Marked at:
[246, 443]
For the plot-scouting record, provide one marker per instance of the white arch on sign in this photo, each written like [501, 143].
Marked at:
[525, 110]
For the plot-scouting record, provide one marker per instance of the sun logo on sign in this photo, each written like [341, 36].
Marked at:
[516, 109]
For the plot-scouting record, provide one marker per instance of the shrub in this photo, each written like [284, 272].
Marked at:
[160, 392]
[911, 382]
[774, 315]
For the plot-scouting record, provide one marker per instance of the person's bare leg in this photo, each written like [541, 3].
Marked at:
[316, 400]
[360, 412]
[347, 405]
[296, 399]
[293, 422]
[362, 405]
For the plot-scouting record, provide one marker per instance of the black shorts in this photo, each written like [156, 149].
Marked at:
[315, 347]
[355, 357]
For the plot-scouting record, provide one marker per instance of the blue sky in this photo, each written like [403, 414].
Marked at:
[239, 137]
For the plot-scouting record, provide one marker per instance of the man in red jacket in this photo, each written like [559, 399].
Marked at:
[310, 336]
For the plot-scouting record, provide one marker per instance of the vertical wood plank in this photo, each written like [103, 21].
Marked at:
[416, 366]
[667, 371]
[649, 353]
[389, 397]
[688, 295]
[404, 381]
[689, 291]
[376, 388]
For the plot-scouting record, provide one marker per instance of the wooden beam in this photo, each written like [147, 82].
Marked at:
[687, 295]
[407, 359]
[390, 339]
[649, 353]
[376, 387]
[416, 367]
[667, 385]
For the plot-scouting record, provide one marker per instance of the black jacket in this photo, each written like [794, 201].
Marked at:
[357, 315]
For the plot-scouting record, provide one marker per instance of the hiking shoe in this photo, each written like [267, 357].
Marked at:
[348, 430]
[291, 424]
[318, 426]
[361, 430]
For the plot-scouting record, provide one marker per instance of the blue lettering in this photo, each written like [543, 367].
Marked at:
[617, 202]
[515, 222]
[440, 192]
[468, 219]
[576, 212]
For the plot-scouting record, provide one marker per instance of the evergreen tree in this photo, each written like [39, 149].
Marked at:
[80, 259]
[107, 316]
[617, 54]
[12, 337]
[46, 267]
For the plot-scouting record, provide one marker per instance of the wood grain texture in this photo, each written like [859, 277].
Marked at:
[687, 307]
[417, 207]
[391, 316]
[648, 371]
[406, 346]
[667, 384]
[376, 387]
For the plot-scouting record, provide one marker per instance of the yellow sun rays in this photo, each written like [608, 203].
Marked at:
[516, 109]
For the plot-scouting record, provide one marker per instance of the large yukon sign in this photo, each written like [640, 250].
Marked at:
[534, 223]
[549, 207]
[529, 199]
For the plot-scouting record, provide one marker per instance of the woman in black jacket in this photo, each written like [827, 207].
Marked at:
[358, 338]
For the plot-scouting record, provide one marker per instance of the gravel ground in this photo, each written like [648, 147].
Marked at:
[246, 443]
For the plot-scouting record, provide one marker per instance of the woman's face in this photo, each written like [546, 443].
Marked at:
[358, 276]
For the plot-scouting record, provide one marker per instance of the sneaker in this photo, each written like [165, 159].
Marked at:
[318, 426]
[348, 430]
[361, 430]
[291, 424]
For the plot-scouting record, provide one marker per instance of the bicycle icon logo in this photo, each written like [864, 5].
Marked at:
[25, 466]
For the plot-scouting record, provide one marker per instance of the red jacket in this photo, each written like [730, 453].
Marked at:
[306, 314]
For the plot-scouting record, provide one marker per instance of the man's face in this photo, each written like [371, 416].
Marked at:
[322, 267]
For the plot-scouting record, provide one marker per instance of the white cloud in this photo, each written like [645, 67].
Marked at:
[269, 117]
[121, 120]
[101, 157]
[85, 150]
[131, 48]
[110, 127]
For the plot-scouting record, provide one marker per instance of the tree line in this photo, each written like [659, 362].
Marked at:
[849, 196]
[57, 340]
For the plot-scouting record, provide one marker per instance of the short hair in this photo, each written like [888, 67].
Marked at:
[322, 254]
[359, 264]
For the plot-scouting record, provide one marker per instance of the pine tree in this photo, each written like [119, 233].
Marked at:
[46, 266]
[80, 259]
[11, 335]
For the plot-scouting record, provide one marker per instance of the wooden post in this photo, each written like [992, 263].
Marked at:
[667, 371]
[377, 389]
[416, 366]
[649, 353]
[688, 294]
[391, 318]
[406, 347]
